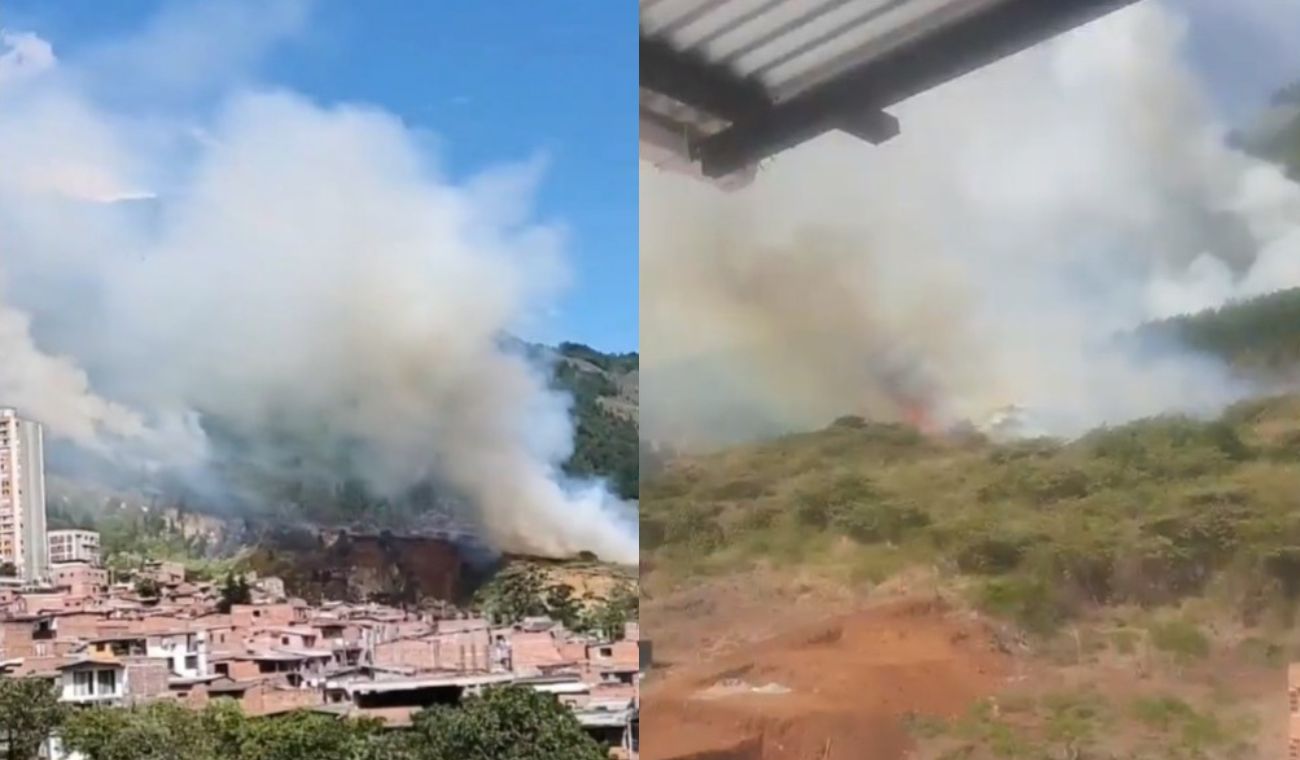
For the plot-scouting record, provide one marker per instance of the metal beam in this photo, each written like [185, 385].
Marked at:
[700, 85]
[870, 125]
[1004, 29]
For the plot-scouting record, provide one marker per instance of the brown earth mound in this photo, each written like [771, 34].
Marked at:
[839, 690]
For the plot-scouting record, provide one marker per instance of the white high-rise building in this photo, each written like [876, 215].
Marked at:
[74, 546]
[23, 540]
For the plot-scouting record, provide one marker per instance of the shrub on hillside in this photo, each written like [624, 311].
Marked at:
[1031, 602]
[1181, 639]
[991, 554]
[875, 522]
[694, 528]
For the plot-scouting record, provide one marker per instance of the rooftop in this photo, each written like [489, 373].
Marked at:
[728, 83]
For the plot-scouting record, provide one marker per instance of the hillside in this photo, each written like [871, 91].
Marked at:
[279, 480]
[605, 395]
[1168, 547]
[1258, 336]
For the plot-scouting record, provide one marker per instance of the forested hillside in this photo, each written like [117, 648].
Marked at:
[604, 388]
[1260, 334]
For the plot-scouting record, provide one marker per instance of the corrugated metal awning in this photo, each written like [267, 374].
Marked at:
[726, 83]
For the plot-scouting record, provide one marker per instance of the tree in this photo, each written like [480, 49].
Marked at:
[561, 605]
[505, 723]
[147, 588]
[157, 731]
[514, 594]
[610, 616]
[303, 735]
[30, 711]
[235, 590]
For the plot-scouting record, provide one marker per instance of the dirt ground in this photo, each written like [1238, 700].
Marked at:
[775, 667]
[838, 689]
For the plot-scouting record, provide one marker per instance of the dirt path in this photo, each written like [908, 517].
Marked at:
[836, 690]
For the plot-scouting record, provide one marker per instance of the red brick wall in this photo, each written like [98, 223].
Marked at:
[264, 698]
[243, 670]
[449, 651]
[16, 639]
[259, 615]
[147, 678]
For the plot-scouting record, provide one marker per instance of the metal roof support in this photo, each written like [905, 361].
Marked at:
[1004, 29]
[700, 85]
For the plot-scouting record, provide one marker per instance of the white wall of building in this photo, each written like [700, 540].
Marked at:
[90, 684]
[186, 653]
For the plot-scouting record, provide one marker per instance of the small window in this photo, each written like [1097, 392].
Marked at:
[83, 683]
[606, 651]
[107, 681]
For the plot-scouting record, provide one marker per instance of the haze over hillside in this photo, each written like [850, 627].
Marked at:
[603, 388]
[953, 271]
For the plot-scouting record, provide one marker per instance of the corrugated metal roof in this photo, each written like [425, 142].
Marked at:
[791, 45]
[726, 83]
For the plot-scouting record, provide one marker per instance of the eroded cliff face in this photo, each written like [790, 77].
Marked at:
[385, 567]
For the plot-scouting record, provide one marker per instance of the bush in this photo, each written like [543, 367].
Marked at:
[1283, 565]
[1180, 638]
[693, 528]
[990, 555]
[738, 490]
[1031, 602]
[876, 522]
[653, 533]
[757, 517]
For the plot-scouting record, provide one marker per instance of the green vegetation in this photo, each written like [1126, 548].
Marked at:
[1149, 513]
[508, 723]
[1081, 724]
[234, 590]
[1258, 335]
[605, 436]
[29, 711]
[522, 590]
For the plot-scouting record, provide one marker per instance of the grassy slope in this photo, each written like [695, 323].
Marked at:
[1159, 547]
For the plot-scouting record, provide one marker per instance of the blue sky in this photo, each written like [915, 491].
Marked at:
[494, 81]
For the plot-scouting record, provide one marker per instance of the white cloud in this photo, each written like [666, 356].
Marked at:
[23, 55]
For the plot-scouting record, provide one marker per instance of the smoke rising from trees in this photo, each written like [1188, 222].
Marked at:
[989, 255]
[295, 271]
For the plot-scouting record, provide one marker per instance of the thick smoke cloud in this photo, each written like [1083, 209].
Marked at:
[988, 256]
[296, 272]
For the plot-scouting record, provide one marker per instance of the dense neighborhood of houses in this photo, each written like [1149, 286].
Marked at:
[108, 645]
[105, 643]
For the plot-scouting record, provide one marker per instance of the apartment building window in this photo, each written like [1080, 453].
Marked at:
[107, 682]
[192, 662]
[83, 683]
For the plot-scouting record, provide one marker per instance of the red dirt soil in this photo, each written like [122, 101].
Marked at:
[852, 682]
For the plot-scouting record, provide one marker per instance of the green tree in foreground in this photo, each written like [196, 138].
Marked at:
[511, 723]
[29, 713]
[506, 723]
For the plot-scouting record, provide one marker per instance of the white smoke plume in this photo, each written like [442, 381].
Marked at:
[1026, 215]
[290, 269]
